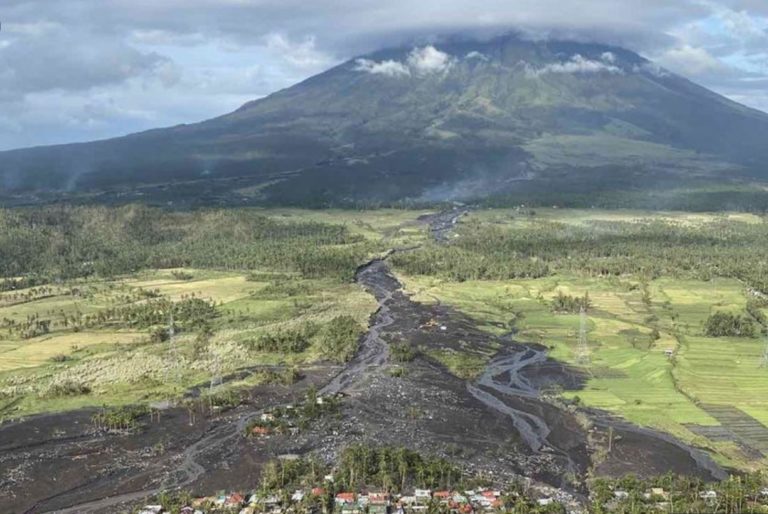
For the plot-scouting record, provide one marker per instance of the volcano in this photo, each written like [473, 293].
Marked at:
[458, 120]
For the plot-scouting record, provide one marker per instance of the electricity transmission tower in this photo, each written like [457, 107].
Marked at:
[583, 349]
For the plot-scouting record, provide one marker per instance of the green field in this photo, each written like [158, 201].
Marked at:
[629, 372]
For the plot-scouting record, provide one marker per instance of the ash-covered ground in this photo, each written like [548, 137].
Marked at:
[498, 423]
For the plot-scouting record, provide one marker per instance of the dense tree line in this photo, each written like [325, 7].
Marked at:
[737, 495]
[724, 324]
[45, 244]
[648, 249]
[571, 304]
[363, 465]
[287, 340]
[394, 468]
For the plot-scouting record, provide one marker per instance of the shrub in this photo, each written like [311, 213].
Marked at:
[181, 275]
[724, 324]
[570, 304]
[285, 340]
[338, 338]
[403, 352]
[65, 388]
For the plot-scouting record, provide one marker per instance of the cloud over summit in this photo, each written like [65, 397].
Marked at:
[420, 61]
[83, 69]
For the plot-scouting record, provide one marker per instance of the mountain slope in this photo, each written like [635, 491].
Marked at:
[455, 120]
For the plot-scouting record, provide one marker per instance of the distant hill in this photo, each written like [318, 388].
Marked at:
[454, 121]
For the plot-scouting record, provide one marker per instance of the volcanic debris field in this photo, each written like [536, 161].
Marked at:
[492, 417]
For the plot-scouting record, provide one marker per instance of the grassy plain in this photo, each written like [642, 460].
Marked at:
[123, 365]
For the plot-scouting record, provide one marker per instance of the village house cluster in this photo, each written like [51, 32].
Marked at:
[348, 502]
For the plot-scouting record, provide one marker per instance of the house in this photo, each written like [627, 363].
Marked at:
[422, 494]
[297, 496]
[344, 498]
[247, 510]
[621, 495]
[708, 496]
[659, 492]
[378, 508]
[543, 502]
[267, 416]
[491, 493]
[378, 503]
[407, 500]
[460, 498]
[443, 496]
[271, 501]
[328, 478]
[318, 491]
[351, 508]
[378, 498]
[151, 509]
[260, 431]
[234, 500]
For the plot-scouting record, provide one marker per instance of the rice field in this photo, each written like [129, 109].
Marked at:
[630, 373]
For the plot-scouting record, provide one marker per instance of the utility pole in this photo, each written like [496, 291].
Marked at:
[583, 348]
[764, 359]
[610, 438]
[215, 372]
[173, 367]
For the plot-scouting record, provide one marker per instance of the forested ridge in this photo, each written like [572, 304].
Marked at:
[52, 243]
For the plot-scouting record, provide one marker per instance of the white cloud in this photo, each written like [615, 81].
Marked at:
[429, 60]
[389, 67]
[608, 57]
[691, 61]
[578, 64]
[420, 61]
[476, 55]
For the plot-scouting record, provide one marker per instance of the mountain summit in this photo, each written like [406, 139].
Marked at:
[457, 120]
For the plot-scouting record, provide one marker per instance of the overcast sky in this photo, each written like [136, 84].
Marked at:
[76, 70]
